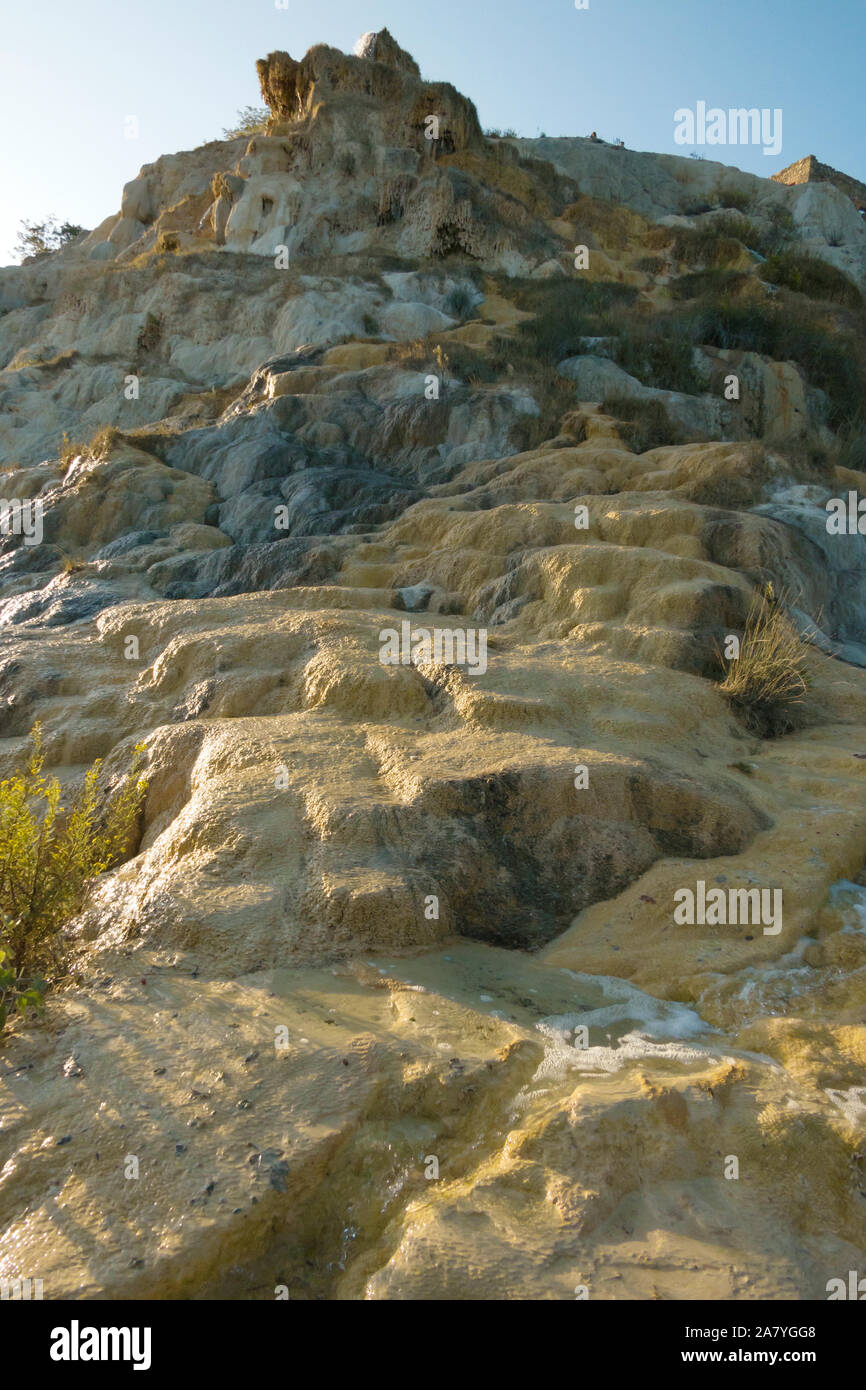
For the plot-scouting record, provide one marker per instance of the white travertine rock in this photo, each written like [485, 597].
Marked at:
[248, 485]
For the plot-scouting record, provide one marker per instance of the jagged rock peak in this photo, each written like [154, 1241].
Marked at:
[385, 78]
[286, 83]
[379, 46]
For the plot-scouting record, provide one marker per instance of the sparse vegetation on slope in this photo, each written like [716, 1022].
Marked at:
[382, 878]
[48, 855]
[250, 120]
[813, 277]
[41, 238]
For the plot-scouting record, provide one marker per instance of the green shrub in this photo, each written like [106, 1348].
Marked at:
[655, 348]
[811, 276]
[852, 450]
[565, 311]
[734, 224]
[149, 333]
[738, 198]
[49, 855]
[705, 246]
[41, 238]
[555, 396]
[459, 303]
[780, 232]
[714, 307]
[448, 357]
[644, 424]
[250, 120]
[831, 358]
[650, 265]
[468, 364]
[710, 284]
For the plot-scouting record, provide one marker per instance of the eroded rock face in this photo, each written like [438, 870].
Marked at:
[660, 186]
[375, 903]
[382, 47]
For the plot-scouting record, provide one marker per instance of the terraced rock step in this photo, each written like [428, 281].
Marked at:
[388, 999]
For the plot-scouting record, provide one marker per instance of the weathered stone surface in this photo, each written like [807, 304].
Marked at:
[811, 170]
[396, 869]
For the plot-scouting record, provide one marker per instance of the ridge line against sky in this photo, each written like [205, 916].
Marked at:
[72, 75]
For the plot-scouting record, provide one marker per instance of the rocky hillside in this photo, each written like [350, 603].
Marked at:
[312, 399]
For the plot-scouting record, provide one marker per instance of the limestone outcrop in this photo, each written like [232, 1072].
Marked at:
[313, 397]
[660, 186]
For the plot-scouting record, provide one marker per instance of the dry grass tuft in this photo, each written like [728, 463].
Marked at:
[767, 684]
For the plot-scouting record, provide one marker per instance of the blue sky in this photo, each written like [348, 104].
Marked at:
[71, 73]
